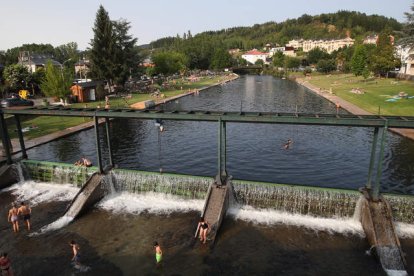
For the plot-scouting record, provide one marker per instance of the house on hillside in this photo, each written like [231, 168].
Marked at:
[254, 55]
[327, 45]
[35, 61]
[83, 92]
[406, 55]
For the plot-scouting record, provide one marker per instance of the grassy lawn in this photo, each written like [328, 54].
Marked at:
[376, 93]
[49, 124]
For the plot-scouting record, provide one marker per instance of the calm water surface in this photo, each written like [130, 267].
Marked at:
[320, 156]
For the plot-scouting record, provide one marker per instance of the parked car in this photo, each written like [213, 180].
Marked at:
[16, 101]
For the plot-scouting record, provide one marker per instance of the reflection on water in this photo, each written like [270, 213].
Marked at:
[319, 156]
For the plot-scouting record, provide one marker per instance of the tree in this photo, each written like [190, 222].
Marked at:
[408, 29]
[359, 60]
[169, 62]
[67, 54]
[383, 59]
[17, 77]
[57, 81]
[102, 47]
[221, 59]
[278, 59]
[126, 57]
[317, 54]
[292, 62]
[326, 65]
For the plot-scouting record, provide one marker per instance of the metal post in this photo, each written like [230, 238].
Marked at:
[98, 148]
[372, 159]
[219, 147]
[222, 173]
[376, 190]
[223, 150]
[5, 139]
[20, 133]
[108, 139]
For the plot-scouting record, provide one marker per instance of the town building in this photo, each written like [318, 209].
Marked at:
[254, 55]
[85, 91]
[327, 45]
[406, 55]
[35, 61]
[82, 68]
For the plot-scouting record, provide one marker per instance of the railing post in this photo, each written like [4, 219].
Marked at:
[98, 147]
[5, 138]
[376, 189]
[372, 159]
[20, 133]
[222, 171]
[108, 139]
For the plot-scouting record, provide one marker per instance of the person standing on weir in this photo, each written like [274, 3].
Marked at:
[158, 253]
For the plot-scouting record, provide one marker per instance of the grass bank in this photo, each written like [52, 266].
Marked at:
[373, 95]
[39, 126]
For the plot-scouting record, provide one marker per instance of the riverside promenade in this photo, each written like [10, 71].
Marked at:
[71, 130]
[350, 107]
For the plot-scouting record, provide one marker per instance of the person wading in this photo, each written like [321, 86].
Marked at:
[25, 211]
[14, 218]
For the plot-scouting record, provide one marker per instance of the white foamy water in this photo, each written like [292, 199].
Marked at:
[125, 202]
[391, 272]
[272, 217]
[404, 230]
[38, 192]
[60, 223]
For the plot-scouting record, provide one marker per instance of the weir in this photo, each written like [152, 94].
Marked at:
[321, 202]
[8, 175]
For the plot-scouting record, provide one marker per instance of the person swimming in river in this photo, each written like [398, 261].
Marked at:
[287, 144]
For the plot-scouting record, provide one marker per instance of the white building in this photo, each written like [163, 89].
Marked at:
[406, 55]
[254, 55]
[35, 61]
[327, 45]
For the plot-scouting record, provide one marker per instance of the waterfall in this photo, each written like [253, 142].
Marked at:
[297, 199]
[57, 172]
[19, 170]
[189, 187]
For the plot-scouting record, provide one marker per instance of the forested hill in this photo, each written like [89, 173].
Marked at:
[324, 26]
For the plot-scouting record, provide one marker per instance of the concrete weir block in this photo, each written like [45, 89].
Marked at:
[91, 192]
[377, 222]
[8, 176]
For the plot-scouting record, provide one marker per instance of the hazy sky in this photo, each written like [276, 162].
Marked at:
[60, 21]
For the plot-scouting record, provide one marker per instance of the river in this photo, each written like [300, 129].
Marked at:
[116, 236]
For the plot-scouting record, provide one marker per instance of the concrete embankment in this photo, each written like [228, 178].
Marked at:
[351, 108]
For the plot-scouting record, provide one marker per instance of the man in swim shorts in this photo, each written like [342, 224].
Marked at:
[158, 253]
[25, 211]
[14, 218]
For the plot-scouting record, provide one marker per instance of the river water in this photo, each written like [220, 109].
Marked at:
[116, 236]
[319, 156]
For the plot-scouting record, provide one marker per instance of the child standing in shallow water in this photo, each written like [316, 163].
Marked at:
[158, 253]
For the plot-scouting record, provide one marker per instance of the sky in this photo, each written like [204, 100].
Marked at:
[61, 21]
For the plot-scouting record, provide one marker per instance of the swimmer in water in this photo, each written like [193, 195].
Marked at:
[288, 143]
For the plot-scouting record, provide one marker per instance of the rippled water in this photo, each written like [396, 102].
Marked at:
[319, 156]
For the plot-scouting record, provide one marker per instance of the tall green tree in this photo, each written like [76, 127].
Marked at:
[316, 55]
[102, 47]
[126, 55]
[67, 54]
[57, 81]
[221, 59]
[408, 29]
[359, 64]
[169, 62]
[382, 58]
[17, 77]
[278, 59]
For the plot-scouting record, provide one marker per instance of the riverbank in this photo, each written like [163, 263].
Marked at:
[195, 87]
[346, 105]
